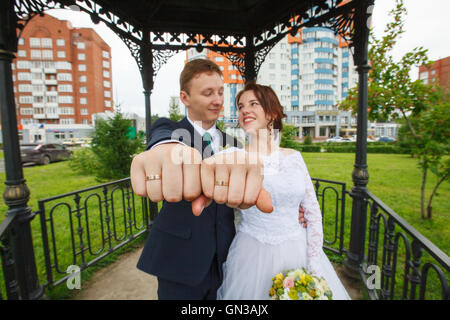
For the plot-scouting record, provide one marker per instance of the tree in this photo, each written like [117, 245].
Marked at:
[220, 124]
[113, 149]
[394, 95]
[287, 137]
[429, 144]
[174, 111]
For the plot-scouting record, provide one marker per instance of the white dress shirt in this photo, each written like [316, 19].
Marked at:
[213, 131]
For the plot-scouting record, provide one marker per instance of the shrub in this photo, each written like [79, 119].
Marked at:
[308, 140]
[84, 161]
[309, 148]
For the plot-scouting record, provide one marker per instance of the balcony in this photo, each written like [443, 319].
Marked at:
[51, 81]
[49, 70]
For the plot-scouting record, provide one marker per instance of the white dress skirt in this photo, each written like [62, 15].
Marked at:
[252, 264]
[267, 244]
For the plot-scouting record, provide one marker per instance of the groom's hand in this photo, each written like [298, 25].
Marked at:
[234, 179]
[178, 168]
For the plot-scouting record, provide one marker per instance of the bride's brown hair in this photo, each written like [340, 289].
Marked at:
[268, 100]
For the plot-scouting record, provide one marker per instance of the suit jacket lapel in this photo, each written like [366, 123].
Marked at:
[196, 140]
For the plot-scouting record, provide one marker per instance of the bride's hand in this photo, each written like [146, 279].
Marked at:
[233, 178]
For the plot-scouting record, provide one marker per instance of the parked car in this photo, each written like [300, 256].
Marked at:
[336, 139]
[386, 139]
[43, 153]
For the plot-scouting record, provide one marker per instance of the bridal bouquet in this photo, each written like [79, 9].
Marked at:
[299, 285]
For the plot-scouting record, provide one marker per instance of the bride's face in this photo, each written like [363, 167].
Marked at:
[251, 113]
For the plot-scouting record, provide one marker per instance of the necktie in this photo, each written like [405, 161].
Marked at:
[207, 139]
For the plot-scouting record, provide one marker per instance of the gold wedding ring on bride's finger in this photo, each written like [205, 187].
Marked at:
[222, 183]
[153, 177]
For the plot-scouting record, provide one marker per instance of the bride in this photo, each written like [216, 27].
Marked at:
[267, 244]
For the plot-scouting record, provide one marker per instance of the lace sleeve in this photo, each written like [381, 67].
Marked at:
[313, 217]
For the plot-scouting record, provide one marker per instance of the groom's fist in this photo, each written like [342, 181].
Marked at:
[169, 171]
[235, 179]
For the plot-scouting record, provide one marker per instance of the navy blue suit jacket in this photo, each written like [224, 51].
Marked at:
[181, 246]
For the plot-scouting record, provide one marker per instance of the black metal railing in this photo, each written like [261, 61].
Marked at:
[407, 247]
[99, 221]
[8, 264]
[92, 223]
[333, 217]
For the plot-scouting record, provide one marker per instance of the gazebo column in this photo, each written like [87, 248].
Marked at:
[360, 175]
[147, 82]
[249, 60]
[18, 258]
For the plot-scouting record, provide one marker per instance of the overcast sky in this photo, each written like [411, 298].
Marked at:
[426, 24]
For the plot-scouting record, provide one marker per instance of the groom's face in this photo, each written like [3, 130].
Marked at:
[204, 100]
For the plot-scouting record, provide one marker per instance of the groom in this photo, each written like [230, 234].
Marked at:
[185, 250]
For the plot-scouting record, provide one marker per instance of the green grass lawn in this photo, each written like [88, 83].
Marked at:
[395, 179]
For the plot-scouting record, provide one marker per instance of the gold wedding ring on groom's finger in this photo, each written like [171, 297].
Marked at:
[153, 177]
[221, 183]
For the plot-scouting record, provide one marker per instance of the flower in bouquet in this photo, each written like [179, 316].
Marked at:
[298, 284]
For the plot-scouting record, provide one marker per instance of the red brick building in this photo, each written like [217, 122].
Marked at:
[438, 71]
[62, 75]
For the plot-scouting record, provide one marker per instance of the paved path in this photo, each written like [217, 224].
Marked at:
[122, 281]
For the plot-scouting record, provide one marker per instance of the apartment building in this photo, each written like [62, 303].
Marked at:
[62, 75]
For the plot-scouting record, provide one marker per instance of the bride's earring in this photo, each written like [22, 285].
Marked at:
[271, 128]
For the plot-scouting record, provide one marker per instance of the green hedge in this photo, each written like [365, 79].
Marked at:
[370, 149]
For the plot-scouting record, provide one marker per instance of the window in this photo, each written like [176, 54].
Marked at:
[84, 111]
[35, 54]
[22, 53]
[65, 99]
[65, 88]
[64, 76]
[218, 59]
[67, 121]
[85, 121]
[22, 64]
[35, 43]
[60, 42]
[83, 90]
[24, 76]
[61, 54]
[271, 66]
[107, 104]
[66, 110]
[107, 94]
[272, 76]
[21, 41]
[283, 66]
[46, 42]
[26, 99]
[51, 99]
[106, 74]
[105, 54]
[283, 46]
[81, 45]
[81, 56]
[82, 79]
[105, 64]
[63, 65]
[107, 84]
[26, 111]
[47, 54]
[25, 87]
[81, 67]
[83, 100]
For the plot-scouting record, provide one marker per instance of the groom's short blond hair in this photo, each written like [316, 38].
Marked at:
[194, 68]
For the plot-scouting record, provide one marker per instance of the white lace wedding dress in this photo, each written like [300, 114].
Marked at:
[267, 244]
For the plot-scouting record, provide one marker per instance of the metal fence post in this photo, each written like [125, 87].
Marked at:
[360, 175]
[16, 192]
